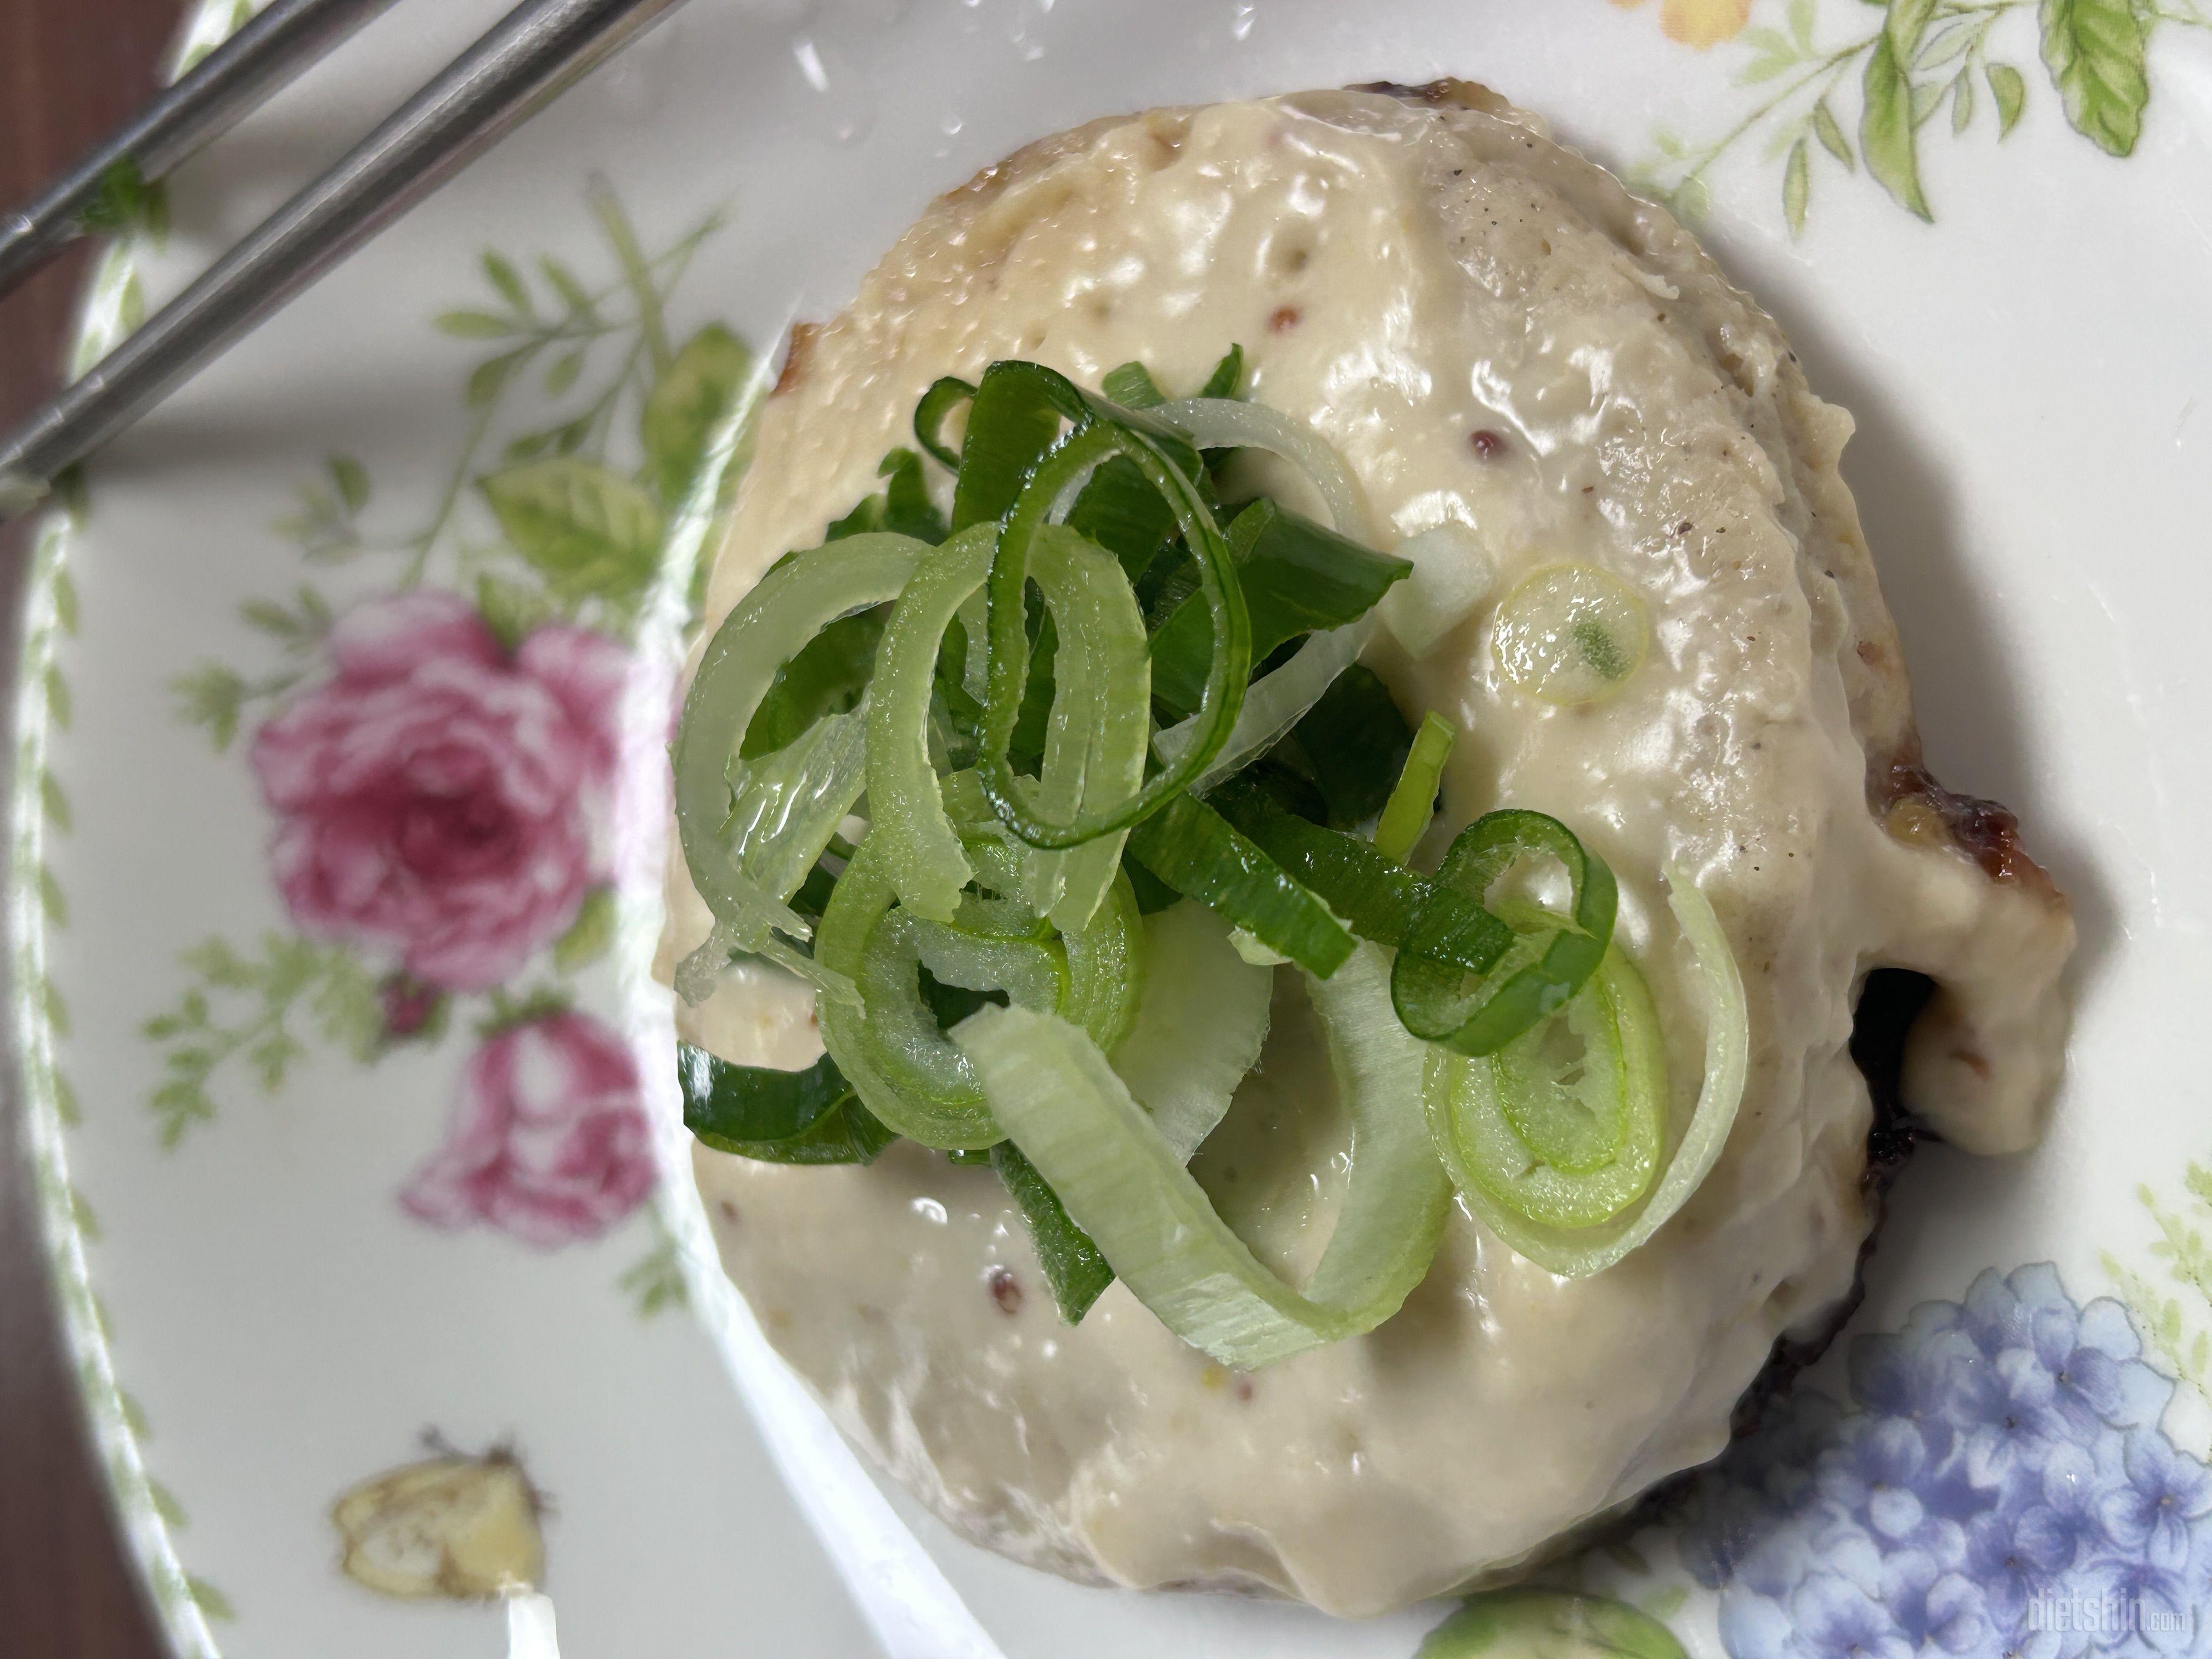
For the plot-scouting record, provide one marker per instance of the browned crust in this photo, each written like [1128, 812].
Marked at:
[1444, 93]
[797, 355]
[1914, 807]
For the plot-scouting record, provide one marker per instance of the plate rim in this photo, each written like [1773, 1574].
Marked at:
[110, 305]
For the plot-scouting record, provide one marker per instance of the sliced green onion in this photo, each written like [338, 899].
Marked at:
[887, 1040]
[1013, 419]
[1121, 511]
[1378, 900]
[1125, 1185]
[1562, 1127]
[1274, 704]
[1452, 575]
[1406, 815]
[918, 848]
[975, 627]
[1077, 1274]
[829, 676]
[1392, 1213]
[1428, 981]
[1296, 578]
[877, 1047]
[792, 605]
[1193, 849]
[785, 807]
[778, 1117]
[1687, 1159]
[940, 400]
[1227, 380]
[1354, 741]
[1094, 748]
[978, 952]
[1199, 1025]
[904, 507]
[905, 1047]
[1058, 477]
[1545, 1624]
[1131, 385]
[1570, 634]
[1231, 423]
[1109, 963]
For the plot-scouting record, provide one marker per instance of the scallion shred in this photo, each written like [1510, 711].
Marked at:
[1126, 1187]
[1042, 700]
[1412, 802]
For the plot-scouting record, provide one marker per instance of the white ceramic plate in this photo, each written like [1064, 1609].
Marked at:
[314, 1194]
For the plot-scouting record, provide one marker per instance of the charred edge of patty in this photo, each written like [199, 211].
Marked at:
[797, 357]
[1889, 1002]
[1892, 999]
[1914, 807]
[1444, 93]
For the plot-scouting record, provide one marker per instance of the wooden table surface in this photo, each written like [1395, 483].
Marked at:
[70, 70]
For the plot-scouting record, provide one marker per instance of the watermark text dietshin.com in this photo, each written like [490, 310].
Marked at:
[2108, 1616]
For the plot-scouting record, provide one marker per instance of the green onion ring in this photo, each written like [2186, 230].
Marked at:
[1689, 1155]
[1125, 1185]
[943, 397]
[1094, 751]
[792, 604]
[886, 1041]
[1505, 1124]
[935, 1105]
[1426, 981]
[918, 847]
[1051, 488]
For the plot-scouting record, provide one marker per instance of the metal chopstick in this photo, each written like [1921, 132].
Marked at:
[205, 102]
[525, 59]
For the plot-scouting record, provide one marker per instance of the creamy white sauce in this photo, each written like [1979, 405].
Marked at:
[1403, 276]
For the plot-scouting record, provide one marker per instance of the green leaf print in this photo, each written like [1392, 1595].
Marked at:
[590, 934]
[2008, 88]
[1887, 137]
[475, 324]
[2094, 52]
[1907, 23]
[1830, 133]
[687, 403]
[590, 532]
[1796, 187]
[512, 611]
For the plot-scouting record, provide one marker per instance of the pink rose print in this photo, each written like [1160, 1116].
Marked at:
[549, 1139]
[436, 793]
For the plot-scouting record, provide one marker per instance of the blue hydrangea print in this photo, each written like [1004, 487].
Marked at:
[1999, 1485]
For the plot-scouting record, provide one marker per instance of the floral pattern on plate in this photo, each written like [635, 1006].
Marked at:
[440, 758]
[1999, 1483]
[469, 555]
[1908, 63]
